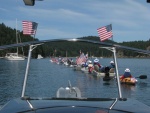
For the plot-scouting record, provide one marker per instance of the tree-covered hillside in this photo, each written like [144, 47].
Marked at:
[8, 36]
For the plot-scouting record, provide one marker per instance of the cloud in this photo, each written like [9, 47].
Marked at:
[3, 10]
[50, 33]
[82, 18]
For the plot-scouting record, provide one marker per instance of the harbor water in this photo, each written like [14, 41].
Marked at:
[45, 78]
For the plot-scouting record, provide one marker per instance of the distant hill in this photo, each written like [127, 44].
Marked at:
[8, 36]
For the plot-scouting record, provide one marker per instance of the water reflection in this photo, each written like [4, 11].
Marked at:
[127, 90]
[45, 78]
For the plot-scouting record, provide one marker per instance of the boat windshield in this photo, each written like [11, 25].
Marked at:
[66, 81]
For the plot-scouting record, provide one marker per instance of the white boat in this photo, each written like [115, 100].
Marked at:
[53, 60]
[68, 92]
[66, 63]
[69, 99]
[77, 67]
[101, 74]
[39, 56]
[85, 70]
[15, 56]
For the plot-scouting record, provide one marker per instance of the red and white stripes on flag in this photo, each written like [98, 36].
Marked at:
[81, 59]
[105, 32]
[29, 28]
[54, 59]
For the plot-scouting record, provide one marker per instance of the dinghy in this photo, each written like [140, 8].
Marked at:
[132, 80]
[100, 74]
[129, 81]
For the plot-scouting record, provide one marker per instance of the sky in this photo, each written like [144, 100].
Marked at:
[58, 19]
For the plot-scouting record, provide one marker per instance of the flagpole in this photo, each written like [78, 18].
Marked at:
[35, 32]
[111, 29]
[16, 35]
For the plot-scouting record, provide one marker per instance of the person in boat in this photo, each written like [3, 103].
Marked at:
[86, 64]
[112, 65]
[60, 59]
[109, 68]
[96, 62]
[83, 64]
[71, 60]
[97, 65]
[126, 74]
[90, 66]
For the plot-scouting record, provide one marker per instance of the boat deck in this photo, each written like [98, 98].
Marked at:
[73, 106]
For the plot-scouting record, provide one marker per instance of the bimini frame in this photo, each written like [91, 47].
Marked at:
[110, 46]
[31, 48]
[113, 49]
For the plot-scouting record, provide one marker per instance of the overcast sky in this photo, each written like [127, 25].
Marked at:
[130, 19]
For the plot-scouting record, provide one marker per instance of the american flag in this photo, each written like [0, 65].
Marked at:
[81, 59]
[105, 32]
[54, 59]
[29, 28]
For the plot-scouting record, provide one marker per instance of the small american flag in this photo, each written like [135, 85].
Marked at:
[29, 28]
[81, 59]
[54, 59]
[105, 32]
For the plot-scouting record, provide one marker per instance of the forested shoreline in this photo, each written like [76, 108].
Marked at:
[69, 49]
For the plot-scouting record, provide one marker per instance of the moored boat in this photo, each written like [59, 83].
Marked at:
[39, 56]
[14, 57]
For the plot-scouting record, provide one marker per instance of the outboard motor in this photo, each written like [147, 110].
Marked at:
[29, 2]
[68, 92]
[107, 77]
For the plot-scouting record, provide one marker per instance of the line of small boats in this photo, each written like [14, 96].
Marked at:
[105, 75]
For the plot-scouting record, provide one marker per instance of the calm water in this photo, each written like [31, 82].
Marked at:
[45, 78]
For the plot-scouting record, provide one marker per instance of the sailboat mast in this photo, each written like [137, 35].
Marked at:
[66, 54]
[16, 36]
